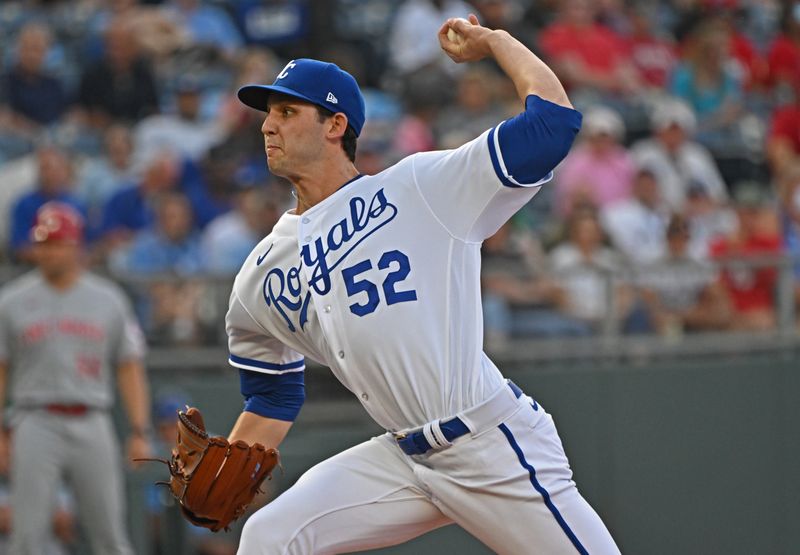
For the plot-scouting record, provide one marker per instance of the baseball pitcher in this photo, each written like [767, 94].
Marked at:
[377, 277]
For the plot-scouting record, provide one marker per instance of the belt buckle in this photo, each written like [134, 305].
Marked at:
[398, 436]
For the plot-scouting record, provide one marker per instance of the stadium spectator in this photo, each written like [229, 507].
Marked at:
[519, 298]
[789, 211]
[747, 63]
[636, 225]
[651, 49]
[101, 176]
[506, 15]
[283, 25]
[680, 292]
[706, 82]
[585, 54]
[169, 246]
[587, 270]
[598, 167]
[185, 131]
[157, 35]
[708, 220]
[34, 96]
[412, 42]
[422, 96]
[750, 286]
[133, 207]
[121, 85]
[206, 24]
[783, 56]
[783, 141]
[229, 238]
[54, 182]
[676, 160]
[161, 259]
[476, 108]
[255, 65]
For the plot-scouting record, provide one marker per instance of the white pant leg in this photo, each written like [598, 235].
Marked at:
[363, 498]
[512, 488]
[94, 467]
[38, 446]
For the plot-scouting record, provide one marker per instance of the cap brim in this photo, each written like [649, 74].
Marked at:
[256, 96]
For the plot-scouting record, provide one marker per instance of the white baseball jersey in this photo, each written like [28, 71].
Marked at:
[381, 282]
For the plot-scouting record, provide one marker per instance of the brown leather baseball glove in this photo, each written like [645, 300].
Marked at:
[213, 480]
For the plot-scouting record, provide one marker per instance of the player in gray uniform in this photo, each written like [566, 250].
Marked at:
[63, 334]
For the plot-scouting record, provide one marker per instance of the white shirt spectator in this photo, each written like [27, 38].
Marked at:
[413, 43]
[584, 281]
[190, 138]
[692, 163]
[226, 242]
[636, 230]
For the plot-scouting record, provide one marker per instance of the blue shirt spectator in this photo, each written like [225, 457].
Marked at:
[207, 25]
[170, 246]
[228, 240]
[151, 252]
[28, 88]
[54, 183]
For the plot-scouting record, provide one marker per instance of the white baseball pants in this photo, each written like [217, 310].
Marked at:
[508, 483]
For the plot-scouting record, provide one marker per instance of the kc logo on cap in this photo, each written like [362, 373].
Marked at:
[320, 83]
[285, 70]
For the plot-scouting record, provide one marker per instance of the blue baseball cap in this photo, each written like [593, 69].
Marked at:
[320, 83]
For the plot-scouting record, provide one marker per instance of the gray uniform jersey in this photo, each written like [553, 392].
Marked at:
[61, 346]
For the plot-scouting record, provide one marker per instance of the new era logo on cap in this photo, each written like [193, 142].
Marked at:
[320, 83]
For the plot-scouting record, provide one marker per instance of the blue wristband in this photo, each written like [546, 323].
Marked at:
[278, 396]
[532, 143]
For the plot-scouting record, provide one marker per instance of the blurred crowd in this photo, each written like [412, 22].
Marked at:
[668, 215]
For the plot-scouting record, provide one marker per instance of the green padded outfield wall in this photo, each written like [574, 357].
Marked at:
[679, 457]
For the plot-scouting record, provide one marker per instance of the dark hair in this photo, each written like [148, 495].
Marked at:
[678, 225]
[349, 138]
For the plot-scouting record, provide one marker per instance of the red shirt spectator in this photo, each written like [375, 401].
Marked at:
[783, 142]
[653, 56]
[596, 46]
[585, 53]
[784, 61]
[784, 53]
[749, 288]
[753, 68]
[785, 126]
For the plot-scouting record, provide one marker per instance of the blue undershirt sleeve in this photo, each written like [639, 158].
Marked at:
[278, 396]
[529, 145]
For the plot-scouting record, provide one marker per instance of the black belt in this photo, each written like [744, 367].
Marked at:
[416, 443]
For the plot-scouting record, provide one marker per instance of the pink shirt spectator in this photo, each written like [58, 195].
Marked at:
[605, 179]
[599, 169]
